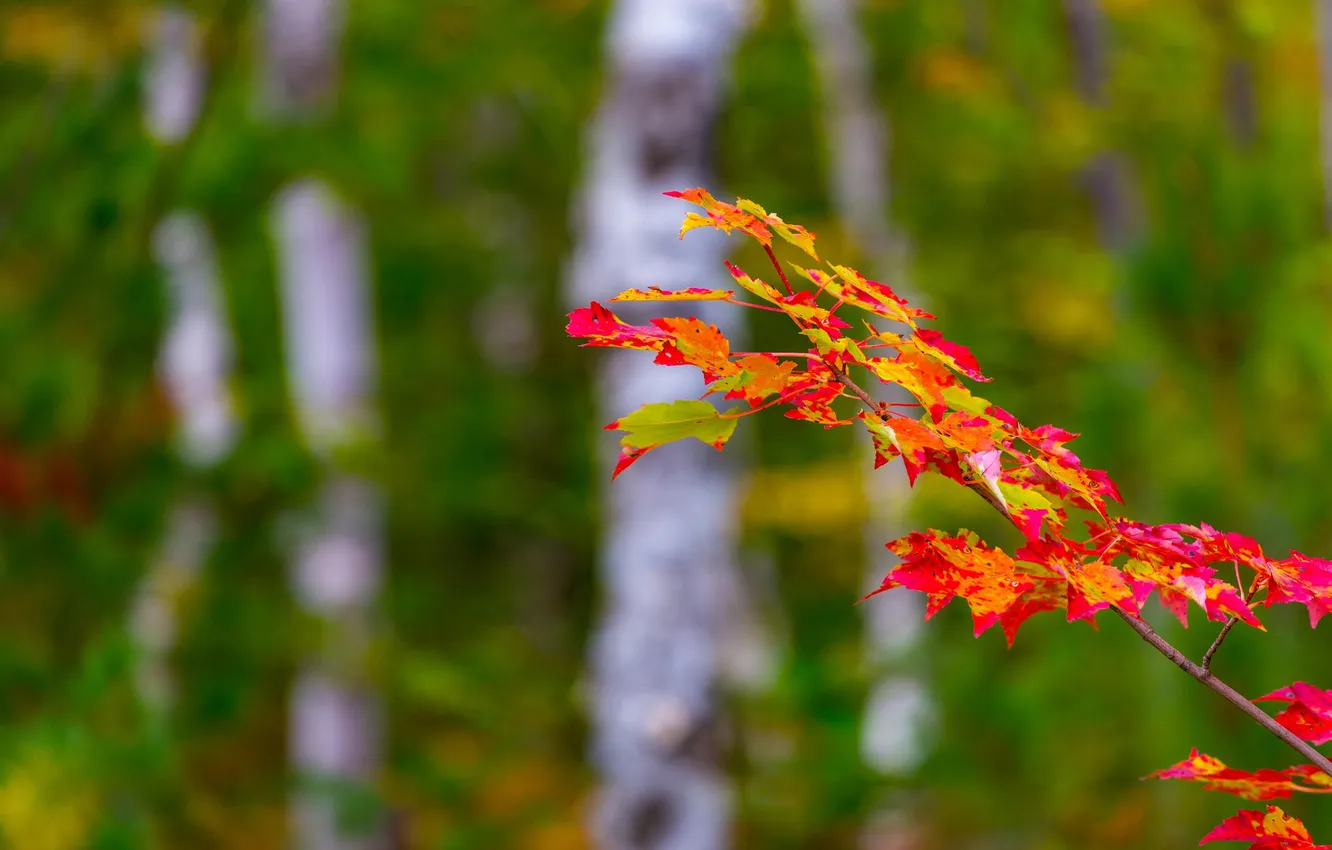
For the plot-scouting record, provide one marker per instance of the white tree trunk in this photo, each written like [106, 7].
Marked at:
[894, 736]
[174, 75]
[195, 360]
[335, 734]
[668, 555]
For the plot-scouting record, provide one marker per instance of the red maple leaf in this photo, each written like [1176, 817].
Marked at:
[760, 376]
[745, 216]
[945, 567]
[1160, 559]
[816, 406]
[603, 328]
[656, 293]
[1309, 714]
[1263, 784]
[696, 343]
[1270, 830]
[921, 447]
[1089, 586]
[853, 288]
[1047, 593]
[925, 378]
[1298, 579]
[956, 356]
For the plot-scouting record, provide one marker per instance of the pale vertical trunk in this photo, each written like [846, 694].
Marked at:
[668, 555]
[194, 366]
[1106, 177]
[1323, 19]
[195, 359]
[335, 733]
[299, 68]
[894, 736]
[174, 75]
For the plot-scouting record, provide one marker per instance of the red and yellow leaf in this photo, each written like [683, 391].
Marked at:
[919, 445]
[1090, 587]
[695, 343]
[816, 406]
[656, 293]
[801, 306]
[603, 328]
[945, 567]
[954, 355]
[853, 288]
[1299, 579]
[792, 233]
[1270, 830]
[1160, 559]
[760, 376]
[924, 378]
[745, 216]
[1263, 784]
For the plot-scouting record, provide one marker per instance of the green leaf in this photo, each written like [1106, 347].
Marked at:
[656, 424]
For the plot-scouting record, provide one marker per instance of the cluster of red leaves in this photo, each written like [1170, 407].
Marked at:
[1029, 474]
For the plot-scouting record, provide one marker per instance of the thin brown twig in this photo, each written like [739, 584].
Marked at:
[852, 385]
[1160, 644]
[1225, 630]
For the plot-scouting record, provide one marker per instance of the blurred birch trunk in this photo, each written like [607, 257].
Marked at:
[668, 560]
[195, 359]
[894, 734]
[1107, 176]
[335, 724]
[335, 721]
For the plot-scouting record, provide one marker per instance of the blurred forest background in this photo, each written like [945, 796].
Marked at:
[306, 533]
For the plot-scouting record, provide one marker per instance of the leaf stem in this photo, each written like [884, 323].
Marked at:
[738, 413]
[1225, 630]
[780, 271]
[751, 305]
[827, 279]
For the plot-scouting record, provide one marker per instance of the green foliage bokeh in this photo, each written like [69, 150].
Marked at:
[1194, 362]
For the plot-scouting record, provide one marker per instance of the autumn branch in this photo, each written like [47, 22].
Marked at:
[972, 449]
[1227, 693]
[1201, 672]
